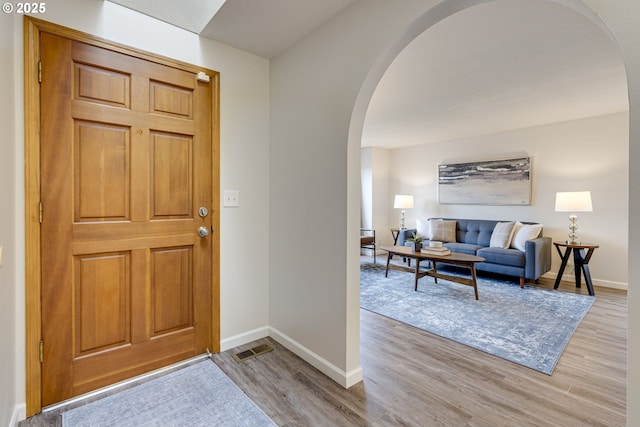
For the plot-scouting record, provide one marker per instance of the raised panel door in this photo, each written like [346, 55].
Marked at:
[126, 163]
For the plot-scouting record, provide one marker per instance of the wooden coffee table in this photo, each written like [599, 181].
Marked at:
[463, 260]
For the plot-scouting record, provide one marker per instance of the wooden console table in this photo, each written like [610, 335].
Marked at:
[580, 262]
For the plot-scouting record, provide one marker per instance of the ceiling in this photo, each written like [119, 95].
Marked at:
[262, 27]
[503, 65]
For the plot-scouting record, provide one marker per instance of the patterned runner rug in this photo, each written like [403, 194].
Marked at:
[198, 395]
[529, 326]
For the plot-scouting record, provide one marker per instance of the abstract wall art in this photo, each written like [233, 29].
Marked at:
[493, 182]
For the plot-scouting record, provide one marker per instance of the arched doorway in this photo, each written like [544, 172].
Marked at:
[418, 26]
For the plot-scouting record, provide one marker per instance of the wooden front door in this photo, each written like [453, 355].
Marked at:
[126, 166]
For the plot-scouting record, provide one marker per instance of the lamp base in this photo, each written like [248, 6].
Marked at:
[573, 227]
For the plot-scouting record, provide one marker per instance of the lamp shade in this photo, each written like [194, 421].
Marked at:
[403, 201]
[573, 201]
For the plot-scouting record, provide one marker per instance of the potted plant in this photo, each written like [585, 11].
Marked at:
[417, 242]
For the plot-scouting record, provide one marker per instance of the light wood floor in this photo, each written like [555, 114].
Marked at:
[413, 378]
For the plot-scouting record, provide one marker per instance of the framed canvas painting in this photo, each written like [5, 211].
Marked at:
[493, 182]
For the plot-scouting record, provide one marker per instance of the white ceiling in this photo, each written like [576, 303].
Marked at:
[504, 65]
[262, 27]
[499, 66]
[268, 27]
[191, 15]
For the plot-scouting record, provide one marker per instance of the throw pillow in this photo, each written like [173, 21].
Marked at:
[526, 232]
[516, 227]
[443, 230]
[502, 235]
[423, 229]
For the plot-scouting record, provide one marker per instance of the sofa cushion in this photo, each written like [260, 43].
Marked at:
[443, 230]
[502, 235]
[510, 257]
[476, 232]
[463, 248]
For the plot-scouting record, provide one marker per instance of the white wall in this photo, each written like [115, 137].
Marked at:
[367, 186]
[9, 310]
[317, 87]
[244, 150]
[383, 197]
[589, 154]
[313, 89]
[375, 194]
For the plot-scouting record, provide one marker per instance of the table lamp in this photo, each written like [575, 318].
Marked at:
[573, 201]
[403, 201]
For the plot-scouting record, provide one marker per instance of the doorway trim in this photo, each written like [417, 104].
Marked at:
[32, 29]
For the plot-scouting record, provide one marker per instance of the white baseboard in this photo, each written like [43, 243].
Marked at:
[612, 285]
[19, 414]
[345, 379]
[569, 277]
[244, 338]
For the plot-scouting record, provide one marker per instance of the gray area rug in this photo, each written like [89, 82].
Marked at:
[198, 395]
[530, 326]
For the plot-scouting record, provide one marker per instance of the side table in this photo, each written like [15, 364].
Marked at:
[580, 262]
[395, 232]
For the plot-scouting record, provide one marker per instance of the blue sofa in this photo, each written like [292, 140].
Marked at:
[473, 236]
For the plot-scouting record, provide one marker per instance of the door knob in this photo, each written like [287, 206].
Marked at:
[203, 231]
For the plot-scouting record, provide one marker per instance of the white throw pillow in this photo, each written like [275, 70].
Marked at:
[502, 235]
[423, 228]
[526, 232]
[516, 227]
[443, 231]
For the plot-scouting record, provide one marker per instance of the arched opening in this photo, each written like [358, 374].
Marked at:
[419, 26]
[470, 85]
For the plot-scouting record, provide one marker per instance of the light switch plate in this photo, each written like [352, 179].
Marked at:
[231, 198]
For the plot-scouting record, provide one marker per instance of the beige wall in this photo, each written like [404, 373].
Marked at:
[589, 154]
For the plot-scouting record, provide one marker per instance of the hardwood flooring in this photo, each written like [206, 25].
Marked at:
[413, 378]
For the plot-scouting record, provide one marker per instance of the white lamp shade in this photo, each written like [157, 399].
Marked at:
[403, 201]
[574, 201]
